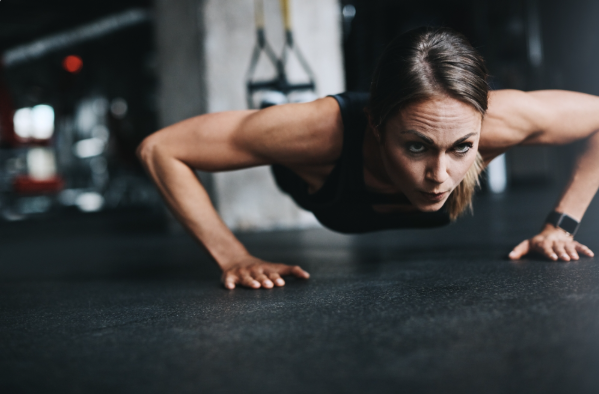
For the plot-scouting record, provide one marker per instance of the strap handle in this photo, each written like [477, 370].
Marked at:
[259, 14]
[286, 12]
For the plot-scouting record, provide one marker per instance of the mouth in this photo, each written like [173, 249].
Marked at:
[434, 197]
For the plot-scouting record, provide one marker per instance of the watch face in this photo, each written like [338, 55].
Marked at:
[568, 224]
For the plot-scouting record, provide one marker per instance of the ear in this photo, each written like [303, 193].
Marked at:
[374, 130]
[377, 134]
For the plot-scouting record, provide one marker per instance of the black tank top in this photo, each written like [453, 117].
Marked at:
[342, 203]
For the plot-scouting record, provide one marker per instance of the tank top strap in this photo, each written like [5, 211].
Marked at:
[352, 105]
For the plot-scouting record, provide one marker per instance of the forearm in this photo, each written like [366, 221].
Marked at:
[549, 117]
[584, 181]
[553, 242]
[191, 204]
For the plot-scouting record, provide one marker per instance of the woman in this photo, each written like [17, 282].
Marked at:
[407, 155]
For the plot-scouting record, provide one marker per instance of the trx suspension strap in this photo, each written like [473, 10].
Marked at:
[280, 84]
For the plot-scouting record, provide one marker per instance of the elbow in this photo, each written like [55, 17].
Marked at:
[147, 149]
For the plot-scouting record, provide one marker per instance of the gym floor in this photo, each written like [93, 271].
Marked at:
[114, 303]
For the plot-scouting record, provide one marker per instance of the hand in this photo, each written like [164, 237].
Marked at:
[554, 243]
[256, 273]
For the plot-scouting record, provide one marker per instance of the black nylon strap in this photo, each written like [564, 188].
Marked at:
[563, 221]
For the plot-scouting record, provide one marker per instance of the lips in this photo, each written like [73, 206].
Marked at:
[434, 197]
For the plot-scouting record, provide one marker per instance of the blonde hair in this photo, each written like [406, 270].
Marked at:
[460, 199]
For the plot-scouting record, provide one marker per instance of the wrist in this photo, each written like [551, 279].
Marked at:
[231, 258]
[550, 228]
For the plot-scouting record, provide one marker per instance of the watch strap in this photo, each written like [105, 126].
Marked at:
[563, 221]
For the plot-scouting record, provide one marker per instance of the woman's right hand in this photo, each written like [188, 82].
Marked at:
[255, 273]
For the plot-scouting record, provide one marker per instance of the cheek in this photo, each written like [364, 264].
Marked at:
[459, 168]
[403, 169]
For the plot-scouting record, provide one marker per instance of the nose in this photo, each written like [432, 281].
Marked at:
[436, 170]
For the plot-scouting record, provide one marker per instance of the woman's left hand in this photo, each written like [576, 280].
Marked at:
[553, 243]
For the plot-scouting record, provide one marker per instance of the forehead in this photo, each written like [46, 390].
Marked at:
[439, 118]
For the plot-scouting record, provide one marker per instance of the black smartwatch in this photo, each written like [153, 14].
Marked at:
[563, 221]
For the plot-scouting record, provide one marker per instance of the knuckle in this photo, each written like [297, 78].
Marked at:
[253, 276]
[253, 272]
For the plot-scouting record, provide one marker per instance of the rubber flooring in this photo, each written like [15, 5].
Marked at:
[115, 303]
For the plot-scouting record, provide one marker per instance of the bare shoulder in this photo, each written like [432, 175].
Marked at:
[295, 134]
[513, 117]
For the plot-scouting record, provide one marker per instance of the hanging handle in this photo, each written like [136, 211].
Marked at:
[285, 10]
[259, 14]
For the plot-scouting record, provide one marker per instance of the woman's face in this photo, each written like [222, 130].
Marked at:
[428, 147]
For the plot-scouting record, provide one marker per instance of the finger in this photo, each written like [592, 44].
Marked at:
[263, 279]
[299, 272]
[558, 248]
[296, 270]
[248, 281]
[546, 248]
[276, 278]
[520, 250]
[230, 280]
[584, 250]
[571, 250]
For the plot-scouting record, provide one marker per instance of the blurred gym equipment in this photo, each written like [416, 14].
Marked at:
[262, 94]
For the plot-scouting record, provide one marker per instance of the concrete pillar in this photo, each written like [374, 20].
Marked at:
[181, 67]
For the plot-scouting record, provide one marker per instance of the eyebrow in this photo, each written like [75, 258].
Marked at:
[429, 141]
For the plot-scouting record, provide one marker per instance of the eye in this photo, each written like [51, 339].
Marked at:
[463, 148]
[416, 147]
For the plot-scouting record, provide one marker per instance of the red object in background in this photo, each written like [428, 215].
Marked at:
[24, 184]
[7, 130]
[72, 64]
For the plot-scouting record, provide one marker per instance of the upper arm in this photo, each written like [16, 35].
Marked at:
[286, 134]
[544, 117]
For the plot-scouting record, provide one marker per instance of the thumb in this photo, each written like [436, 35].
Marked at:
[520, 250]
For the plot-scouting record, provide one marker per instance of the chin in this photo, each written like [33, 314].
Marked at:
[430, 207]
